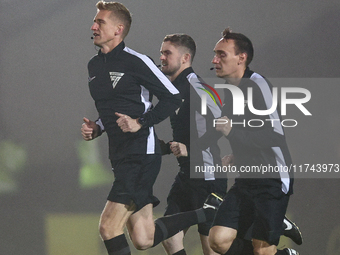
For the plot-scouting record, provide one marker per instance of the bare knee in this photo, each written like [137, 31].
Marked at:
[104, 231]
[206, 246]
[221, 238]
[218, 245]
[113, 220]
[141, 242]
[141, 228]
[108, 229]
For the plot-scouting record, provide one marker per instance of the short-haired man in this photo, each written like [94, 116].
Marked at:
[188, 127]
[255, 200]
[121, 82]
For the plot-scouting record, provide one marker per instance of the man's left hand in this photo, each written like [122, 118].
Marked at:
[179, 149]
[127, 124]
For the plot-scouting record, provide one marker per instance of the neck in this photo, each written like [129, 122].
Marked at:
[234, 81]
[179, 71]
[236, 78]
[110, 45]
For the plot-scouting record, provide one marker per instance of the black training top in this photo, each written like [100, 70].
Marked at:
[258, 141]
[195, 129]
[124, 81]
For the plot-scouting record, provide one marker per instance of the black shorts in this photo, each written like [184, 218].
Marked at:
[135, 176]
[261, 207]
[190, 194]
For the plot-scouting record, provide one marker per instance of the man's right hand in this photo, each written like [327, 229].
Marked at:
[89, 129]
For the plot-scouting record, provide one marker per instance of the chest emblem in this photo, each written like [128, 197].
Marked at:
[115, 77]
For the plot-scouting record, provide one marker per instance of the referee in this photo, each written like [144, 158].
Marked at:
[255, 200]
[189, 126]
[122, 82]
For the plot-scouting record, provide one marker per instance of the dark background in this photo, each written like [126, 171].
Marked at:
[45, 47]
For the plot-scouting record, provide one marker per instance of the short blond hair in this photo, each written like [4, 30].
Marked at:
[119, 11]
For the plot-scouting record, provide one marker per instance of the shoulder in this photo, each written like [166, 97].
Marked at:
[138, 58]
[144, 67]
[262, 91]
[201, 89]
[261, 84]
[195, 82]
[258, 82]
[93, 60]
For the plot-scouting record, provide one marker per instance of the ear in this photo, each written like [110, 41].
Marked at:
[120, 29]
[186, 58]
[242, 58]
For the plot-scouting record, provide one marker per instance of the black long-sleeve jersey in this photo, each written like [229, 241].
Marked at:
[192, 128]
[263, 146]
[124, 81]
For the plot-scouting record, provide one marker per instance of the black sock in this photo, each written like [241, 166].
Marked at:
[117, 245]
[169, 226]
[181, 252]
[240, 247]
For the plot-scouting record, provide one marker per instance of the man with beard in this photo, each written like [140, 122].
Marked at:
[189, 145]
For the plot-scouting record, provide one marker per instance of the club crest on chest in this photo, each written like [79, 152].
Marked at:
[115, 77]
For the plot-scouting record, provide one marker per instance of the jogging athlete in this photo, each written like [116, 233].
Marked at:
[122, 82]
[258, 200]
[188, 126]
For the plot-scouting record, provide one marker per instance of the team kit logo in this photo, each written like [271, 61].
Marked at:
[239, 103]
[115, 77]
